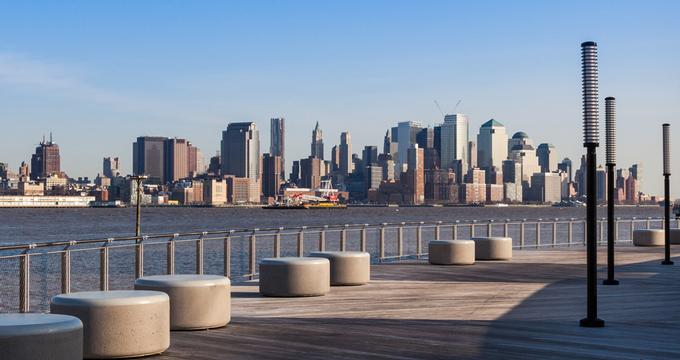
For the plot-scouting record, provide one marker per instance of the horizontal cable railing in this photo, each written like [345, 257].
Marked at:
[31, 273]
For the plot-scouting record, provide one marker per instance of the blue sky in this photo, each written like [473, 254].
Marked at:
[99, 74]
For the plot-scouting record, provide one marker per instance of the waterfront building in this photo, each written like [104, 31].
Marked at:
[475, 176]
[271, 175]
[317, 142]
[195, 162]
[277, 142]
[374, 176]
[415, 175]
[242, 190]
[546, 187]
[525, 155]
[566, 166]
[46, 160]
[24, 172]
[240, 149]
[547, 157]
[148, 158]
[494, 193]
[601, 184]
[472, 193]
[311, 172]
[494, 175]
[454, 142]
[345, 152]
[215, 192]
[111, 167]
[632, 190]
[214, 168]
[492, 145]
[407, 132]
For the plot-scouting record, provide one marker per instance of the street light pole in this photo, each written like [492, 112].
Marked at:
[591, 142]
[610, 149]
[666, 131]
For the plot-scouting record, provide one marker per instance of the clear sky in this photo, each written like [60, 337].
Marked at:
[98, 74]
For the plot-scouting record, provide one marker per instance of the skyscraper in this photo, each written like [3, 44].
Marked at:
[566, 166]
[407, 133]
[240, 149]
[148, 158]
[277, 142]
[370, 155]
[176, 159]
[345, 153]
[416, 175]
[46, 159]
[110, 167]
[547, 157]
[271, 175]
[492, 145]
[317, 142]
[454, 141]
[472, 154]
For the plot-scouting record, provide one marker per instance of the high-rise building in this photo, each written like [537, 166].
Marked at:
[523, 152]
[454, 141]
[295, 173]
[472, 155]
[546, 187]
[425, 138]
[311, 171]
[407, 132]
[345, 153]
[387, 143]
[519, 138]
[176, 159]
[240, 149]
[149, 158]
[547, 157]
[492, 145]
[195, 162]
[277, 142]
[46, 160]
[317, 142]
[335, 158]
[110, 167]
[566, 166]
[271, 175]
[370, 155]
[416, 175]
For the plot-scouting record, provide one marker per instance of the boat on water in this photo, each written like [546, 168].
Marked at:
[325, 197]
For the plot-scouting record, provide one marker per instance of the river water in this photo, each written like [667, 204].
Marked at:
[19, 226]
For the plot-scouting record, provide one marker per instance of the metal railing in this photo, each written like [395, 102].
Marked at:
[31, 273]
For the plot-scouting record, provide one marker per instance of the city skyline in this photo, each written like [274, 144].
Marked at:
[80, 91]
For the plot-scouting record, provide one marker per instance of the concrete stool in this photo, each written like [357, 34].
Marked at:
[493, 248]
[347, 267]
[295, 276]
[40, 336]
[675, 236]
[196, 301]
[120, 323]
[648, 237]
[451, 252]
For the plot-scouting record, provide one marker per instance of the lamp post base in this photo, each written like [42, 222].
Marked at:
[610, 282]
[667, 262]
[593, 323]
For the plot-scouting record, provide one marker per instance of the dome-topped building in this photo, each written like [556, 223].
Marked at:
[519, 138]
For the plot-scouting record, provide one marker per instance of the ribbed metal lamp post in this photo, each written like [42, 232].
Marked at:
[591, 142]
[610, 149]
[667, 191]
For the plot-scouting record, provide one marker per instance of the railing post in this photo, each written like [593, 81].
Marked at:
[170, 258]
[25, 282]
[616, 229]
[301, 242]
[227, 254]
[554, 233]
[585, 232]
[538, 233]
[381, 244]
[400, 240]
[437, 230]
[632, 227]
[570, 232]
[277, 243]
[66, 270]
[419, 239]
[343, 238]
[139, 257]
[252, 254]
[322, 238]
[649, 222]
[505, 228]
[454, 230]
[601, 231]
[488, 228]
[362, 240]
[199, 254]
[521, 234]
[104, 266]
[472, 228]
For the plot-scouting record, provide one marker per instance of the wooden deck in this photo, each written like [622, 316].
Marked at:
[525, 308]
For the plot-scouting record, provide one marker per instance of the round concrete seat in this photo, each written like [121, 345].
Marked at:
[40, 336]
[648, 237]
[451, 252]
[347, 267]
[196, 301]
[675, 236]
[119, 324]
[493, 248]
[295, 276]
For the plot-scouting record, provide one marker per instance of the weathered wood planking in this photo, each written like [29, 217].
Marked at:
[524, 309]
